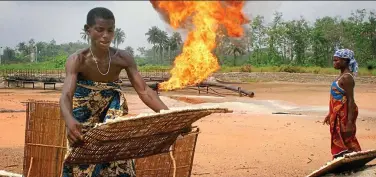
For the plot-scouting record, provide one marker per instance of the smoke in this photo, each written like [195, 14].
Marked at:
[262, 8]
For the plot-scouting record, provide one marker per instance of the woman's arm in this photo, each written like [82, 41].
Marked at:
[348, 86]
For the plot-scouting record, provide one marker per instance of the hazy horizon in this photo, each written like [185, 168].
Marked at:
[63, 21]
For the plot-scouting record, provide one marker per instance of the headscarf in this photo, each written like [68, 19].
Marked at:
[348, 54]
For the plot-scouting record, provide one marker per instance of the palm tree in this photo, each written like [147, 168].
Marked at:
[222, 41]
[31, 49]
[119, 37]
[174, 44]
[177, 39]
[162, 43]
[153, 38]
[142, 51]
[235, 49]
[84, 36]
[129, 50]
[22, 47]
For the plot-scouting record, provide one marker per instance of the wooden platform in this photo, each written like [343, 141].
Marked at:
[12, 81]
[28, 82]
[49, 83]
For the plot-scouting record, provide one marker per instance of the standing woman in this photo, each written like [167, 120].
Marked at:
[343, 111]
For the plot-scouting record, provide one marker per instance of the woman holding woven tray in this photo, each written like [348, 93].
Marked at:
[90, 96]
[343, 111]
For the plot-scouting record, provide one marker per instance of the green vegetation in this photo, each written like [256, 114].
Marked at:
[293, 69]
[48, 65]
[295, 46]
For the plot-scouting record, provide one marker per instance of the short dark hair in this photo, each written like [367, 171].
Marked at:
[99, 12]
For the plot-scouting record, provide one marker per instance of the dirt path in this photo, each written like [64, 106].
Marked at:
[239, 144]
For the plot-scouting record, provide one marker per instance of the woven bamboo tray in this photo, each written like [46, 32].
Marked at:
[348, 162]
[136, 137]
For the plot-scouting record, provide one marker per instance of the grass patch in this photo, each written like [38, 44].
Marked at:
[294, 69]
[150, 68]
[43, 65]
[224, 69]
[249, 80]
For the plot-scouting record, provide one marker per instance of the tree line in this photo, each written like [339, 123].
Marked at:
[299, 42]
[280, 42]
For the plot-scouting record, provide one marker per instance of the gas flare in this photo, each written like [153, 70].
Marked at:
[202, 19]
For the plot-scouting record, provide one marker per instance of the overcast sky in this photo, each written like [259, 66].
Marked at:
[63, 21]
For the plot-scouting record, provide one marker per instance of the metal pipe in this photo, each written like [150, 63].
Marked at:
[241, 92]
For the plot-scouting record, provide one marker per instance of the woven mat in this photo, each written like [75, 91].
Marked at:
[162, 165]
[136, 137]
[348, 162]
[8, 174]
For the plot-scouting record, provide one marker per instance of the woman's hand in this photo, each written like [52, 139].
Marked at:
[326, 120]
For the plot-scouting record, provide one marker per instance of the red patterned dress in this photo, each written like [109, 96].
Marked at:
[341, 141]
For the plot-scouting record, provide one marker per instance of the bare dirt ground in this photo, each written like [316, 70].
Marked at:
[252, 141]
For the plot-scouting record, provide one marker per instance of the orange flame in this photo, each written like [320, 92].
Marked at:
[197, 62]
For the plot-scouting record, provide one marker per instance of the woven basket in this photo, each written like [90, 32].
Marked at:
[162, 165]
[44, 140]
[45, 146]
[136, 137]
[348, 162]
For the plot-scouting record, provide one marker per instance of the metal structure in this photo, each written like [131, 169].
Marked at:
[31, 76]
[205, 87]
[51, 77]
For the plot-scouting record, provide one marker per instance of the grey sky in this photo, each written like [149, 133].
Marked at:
[63, 21]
